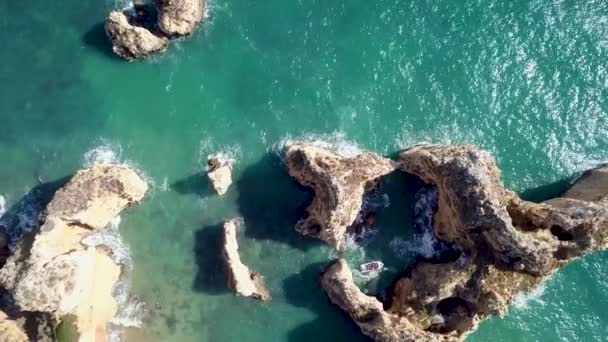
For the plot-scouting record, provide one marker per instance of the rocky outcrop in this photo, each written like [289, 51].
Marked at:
[138, 32]
[220, 174]
[54, 272]
[506, 247]
[10, 330]
[131, 41]
[179, 17]
[242, 280]
[339, 184]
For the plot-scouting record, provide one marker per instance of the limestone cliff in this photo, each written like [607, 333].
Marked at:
[53, 272]
[339, 184]
[179, 17]
[131, 41]
[507, 247]
[240, 278]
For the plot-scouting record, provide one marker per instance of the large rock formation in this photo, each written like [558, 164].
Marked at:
[54, 272]
[507, 247]
[339, 184]
[179, 17]
[240, 278]
[220, 174]
[131, 41]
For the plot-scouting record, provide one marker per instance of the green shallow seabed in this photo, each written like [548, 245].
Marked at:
[527, 80]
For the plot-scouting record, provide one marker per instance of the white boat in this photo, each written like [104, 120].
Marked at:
[372, 268]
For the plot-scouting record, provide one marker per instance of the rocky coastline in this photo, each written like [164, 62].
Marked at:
[142, 31]
[52, 272]
[505, 246]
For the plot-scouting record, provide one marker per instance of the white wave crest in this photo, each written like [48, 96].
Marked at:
[335, 141]
[225, 154]
[130, 310]
[524, 300]
[424, 243]
[2, 205]
[107, 153]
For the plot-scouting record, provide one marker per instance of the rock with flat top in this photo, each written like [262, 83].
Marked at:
[240, 278]
[53, 272]
[220, 175]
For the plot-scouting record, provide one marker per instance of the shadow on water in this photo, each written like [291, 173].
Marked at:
[271, 202]
[197, 184]
[25, 214]
[97, 39]
[547, 191]
[210, 276]
[332, 324]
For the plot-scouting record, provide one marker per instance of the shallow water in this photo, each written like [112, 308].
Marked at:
[527, 80]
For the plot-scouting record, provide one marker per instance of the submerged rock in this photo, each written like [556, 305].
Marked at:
[220, 175]
[131, 41]
[339, 184]
[179, 17]
[242, 280]
[54, 272]
[507, 247]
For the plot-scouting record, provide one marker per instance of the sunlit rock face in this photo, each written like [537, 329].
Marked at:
[53, 272]
[507, 247]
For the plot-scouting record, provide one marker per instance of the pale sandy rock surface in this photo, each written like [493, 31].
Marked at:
[179, 17]
[130, 41]
[220, 176]
[53, 272]
[339, 184]
[240, 278]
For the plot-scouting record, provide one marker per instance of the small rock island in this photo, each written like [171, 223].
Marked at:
[142, 31]
[505, 246]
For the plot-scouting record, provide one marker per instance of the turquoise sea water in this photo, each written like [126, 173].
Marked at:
[527, 80]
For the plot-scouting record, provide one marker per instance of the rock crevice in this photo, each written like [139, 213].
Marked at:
[507, 246]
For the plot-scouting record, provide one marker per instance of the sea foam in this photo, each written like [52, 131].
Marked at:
[424, 242]
[131, 310]
[335, 141]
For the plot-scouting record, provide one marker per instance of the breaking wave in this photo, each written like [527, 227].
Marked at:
[131, 310]
[335, 141]
[424, 242]
[208, 149]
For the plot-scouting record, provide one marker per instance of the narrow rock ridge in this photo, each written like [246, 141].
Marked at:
[53, 272]
[339, 184]
[507, 246]
[139, 32]
[240, 278]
